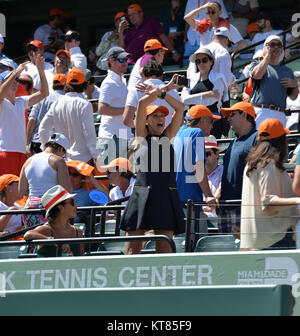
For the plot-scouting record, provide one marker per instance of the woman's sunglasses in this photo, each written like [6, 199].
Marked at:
[211, 12]
[208, 154]
[123, 60]
[201, 60]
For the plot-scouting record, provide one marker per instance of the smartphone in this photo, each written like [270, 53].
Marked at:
[182, 81]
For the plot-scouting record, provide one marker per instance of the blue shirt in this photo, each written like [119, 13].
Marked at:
[189, 148]
[268, 90]
[81, 199]
[234, 162]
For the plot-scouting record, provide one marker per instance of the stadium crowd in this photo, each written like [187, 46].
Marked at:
[156, 141]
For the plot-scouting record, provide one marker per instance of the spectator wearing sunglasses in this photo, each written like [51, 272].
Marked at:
[207, 26]
[207, 88]
[272, 83]
[241, 117]
[72, 44]
[35, 49]
[60, 208]
[113, 135]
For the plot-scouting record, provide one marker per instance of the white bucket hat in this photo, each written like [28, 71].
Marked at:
[53, 196]
[201, 50]
[211, 142]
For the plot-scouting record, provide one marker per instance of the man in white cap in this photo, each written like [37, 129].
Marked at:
[206, 27]
[272, 83]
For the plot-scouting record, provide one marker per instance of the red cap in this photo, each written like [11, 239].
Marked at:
[57, 11]
[136, 7]
[36, 43]
[200, 111]
[271, 128]
[240, 106]
[153, 108]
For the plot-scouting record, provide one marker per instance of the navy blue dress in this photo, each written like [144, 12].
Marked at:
[154, 202]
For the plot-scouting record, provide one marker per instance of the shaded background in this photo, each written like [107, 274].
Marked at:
[92, 18]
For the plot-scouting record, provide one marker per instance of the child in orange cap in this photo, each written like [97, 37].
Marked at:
[269, 210]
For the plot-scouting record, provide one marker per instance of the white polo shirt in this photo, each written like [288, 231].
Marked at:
[12, 125]
[113, 91]
[72, 115]
[134, 96]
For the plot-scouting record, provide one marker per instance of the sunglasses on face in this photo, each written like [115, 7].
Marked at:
[32, 48]
[74, 174]
[201, 60]
[123, 60]
[211, 12]
[274, 44]
[208, 154]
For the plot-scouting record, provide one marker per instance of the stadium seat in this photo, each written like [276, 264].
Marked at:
[10, 252]
[218, 243]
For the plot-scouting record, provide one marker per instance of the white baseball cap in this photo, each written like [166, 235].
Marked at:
[8, 62]
[222, 31]
[270, 38]
[60, 139]
[54, 196]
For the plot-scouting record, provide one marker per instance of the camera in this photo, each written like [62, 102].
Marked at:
[182, 81]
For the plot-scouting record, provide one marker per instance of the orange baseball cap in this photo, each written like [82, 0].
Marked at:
[241, 106]
[252, 27]
[200, 111]
[36, 43]
[119, 162]
[119, 15]
[63, 51]
[271, 128]
[75, 77]
[136, 7]
[59, 79]
[153, 44]
[6, 179]
[57, 11]
[152, 108]
[82, 167]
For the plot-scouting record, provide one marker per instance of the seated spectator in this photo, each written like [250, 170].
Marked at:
[60, 207]
[293, 104]
[142, 30]
[251, 32]
[171, 18]
[51, 34]
[34, 50]
[206, 27]
[214, 171]
[72, 44]
[92, 60]
[8, 196]
[12, 118]
[265, 29]
[244, 12]
[152, 74]
[192, 36]
[154, 50]
[120, 176]
[37, 113]
[272, 83]
[269, 211]
[207, 88]
[62, 63]
[111, 39]
[43, 171]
